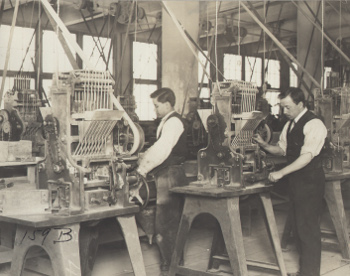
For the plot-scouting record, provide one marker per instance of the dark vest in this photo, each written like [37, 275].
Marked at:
[295, 140]
[179, 152]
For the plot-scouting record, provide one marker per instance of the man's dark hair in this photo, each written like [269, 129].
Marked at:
[164, 95]
[296, 94]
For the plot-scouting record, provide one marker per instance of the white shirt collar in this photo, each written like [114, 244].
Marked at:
[167, 116]
[297, 118]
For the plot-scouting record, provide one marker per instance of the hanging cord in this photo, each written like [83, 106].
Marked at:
[215, 45]
[309, 44]
[38, 69]
[264, 54]
[31, 40]
[239, 27]
[135, 40]
[209, 47]
[322, 50]
[96, 42]
[56, 44]
[340, 39]
[119, 73]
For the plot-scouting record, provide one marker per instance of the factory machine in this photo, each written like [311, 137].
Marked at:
[91, 147]
[232, 160]
[20, 119]
[333, 107]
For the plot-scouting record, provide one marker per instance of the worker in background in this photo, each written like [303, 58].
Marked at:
[163, 160]
[301, 141]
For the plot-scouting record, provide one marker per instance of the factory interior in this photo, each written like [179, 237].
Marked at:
[103, 173]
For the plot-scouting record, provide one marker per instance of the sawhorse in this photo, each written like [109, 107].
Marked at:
[334, 200]
[59, 237]
[223, 204]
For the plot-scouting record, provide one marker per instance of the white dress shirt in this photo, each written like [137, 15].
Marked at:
[171, 131]
[315, 133]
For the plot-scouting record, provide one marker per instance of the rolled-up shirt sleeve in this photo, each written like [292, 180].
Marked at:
[282, 143]
[315, 134]
[161, 149]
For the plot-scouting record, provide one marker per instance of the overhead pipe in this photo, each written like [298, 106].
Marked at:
[279, 44]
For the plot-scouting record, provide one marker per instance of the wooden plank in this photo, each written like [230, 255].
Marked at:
[63, 42]
[66, 34]
[272, 227]
[335, 205]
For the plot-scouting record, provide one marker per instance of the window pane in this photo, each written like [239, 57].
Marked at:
[273, 100]
[47, 83]
[92, 52]
[200, 68]
[19, 45]
[145, 61]
[293, 78]
[54, 57]
[253, 70]
[144, 104]
[273, 72]
[232, 67]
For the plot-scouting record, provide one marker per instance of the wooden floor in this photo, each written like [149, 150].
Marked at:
[113, 258]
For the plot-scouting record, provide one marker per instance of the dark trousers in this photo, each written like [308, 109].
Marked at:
[168, 209]
[306, 191]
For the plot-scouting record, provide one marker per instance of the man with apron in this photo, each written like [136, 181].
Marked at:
[163, 159]
[301, 141]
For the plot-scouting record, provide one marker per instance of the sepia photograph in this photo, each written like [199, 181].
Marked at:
[174, 138]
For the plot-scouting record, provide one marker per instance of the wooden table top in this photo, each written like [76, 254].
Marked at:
[338, 175]
[35, 161]
[49, 219]
[220, 192]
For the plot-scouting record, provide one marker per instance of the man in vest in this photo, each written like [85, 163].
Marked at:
[163, 159]
[301, 141]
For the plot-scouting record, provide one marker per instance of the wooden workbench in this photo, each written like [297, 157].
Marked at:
[58, 235]
[334, 200]
[223, 204]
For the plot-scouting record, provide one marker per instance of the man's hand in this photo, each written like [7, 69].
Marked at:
[275, 176]
[257, 138]
[141, 173]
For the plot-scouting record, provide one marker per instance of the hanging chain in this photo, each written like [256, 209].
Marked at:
[52, 135]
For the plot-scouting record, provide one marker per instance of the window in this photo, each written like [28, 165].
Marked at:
[274, 101]
[145, 62]
[232, 67]
[253, 70]
[20, 42]
[93, 47]
[54, 57]
[273, 72]
[293, 78]
[144, 105]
